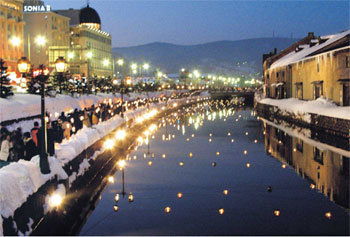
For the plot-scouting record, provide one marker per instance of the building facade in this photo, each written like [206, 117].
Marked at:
[90, 51]
[11, 32]
[311, 68]
[43, 31]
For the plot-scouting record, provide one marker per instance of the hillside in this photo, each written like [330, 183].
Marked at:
[241, 56]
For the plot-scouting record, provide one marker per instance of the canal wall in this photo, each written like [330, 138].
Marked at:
[85, 171]
[319, 123]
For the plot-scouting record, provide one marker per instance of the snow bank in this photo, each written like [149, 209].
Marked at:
[302, 109]
[21, 179]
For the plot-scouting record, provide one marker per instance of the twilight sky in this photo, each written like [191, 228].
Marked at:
[133, 22]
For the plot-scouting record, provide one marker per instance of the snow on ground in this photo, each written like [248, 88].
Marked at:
[302, 109]
[27, 105]
[21, 179]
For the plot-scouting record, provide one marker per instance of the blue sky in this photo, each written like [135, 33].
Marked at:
[192, 22]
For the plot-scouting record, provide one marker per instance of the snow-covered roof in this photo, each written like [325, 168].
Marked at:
[294, 57]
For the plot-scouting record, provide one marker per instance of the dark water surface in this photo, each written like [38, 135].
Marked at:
[304, 189]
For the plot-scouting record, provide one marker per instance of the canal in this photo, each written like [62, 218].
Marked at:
[218, 170]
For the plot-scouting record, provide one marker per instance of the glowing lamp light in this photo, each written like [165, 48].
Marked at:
[145, 66]
[229, 134]
[181, 164]
[284, 166]
[89, 54]
[23, 65]
[111, 179]
[109, 144]
[179, 195]
[15, 41]
[210, 140]
[187, 139]
[120, 134]
[40, 40]
[255, 141]
[130, 197]
[115, 208]
[328, 215]
[61, 65]
[55, 200]
[210, 134]
[232, 140]
[190, 155]
[217, 153]
[213, 164]
[312, 186]
[246, 133]
[149, 163]
[221, 211]
[245, 152]
[116, 197]
[121, 164]
[120, 62]
[134, 66]
[277, 213]
[248, 165]
[167, 209]
[294, 149]
[105, 62]
[225, 192]
[163, 156]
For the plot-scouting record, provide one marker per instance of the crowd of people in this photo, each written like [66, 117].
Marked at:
[17, 145]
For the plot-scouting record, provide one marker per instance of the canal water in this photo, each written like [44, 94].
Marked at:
[221, 171]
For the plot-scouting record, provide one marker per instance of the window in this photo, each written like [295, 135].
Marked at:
[299, 91]
[347, 61]
[318, 89]
[318, 155]
[299, 145]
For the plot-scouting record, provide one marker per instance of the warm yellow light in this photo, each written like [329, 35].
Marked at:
[210, 134]
[221, 211]
[109, 144]
[115, 82]
[179, 195]
[284, 166]
[149, 163]
[232, 140]
[163, 156]
[328, 215]
[190, 155]
[248, 165]
[246, 133]
[23, 65]
[40, 40]
[225, 192]
[245, 152]
[55, 200]
[229, 134]
[181, 164]
[159, 74]
[210, 140]
[111, 179]
[312, 186]
[134, 66]
[187, 139]
[116, 197]
[130, 197]
[167, 209]
[120, 62]
[196, 73]
[121, 164]
[255, 141]
[128, 81]
[15, 41]
[217, 153]
[277, 213]
[213, 164]
[115, 208]
[120, 134]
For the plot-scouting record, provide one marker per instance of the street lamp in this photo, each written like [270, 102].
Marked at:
[44, 163]
[40, 41]
[15, 41]
[61, 67]
[23, 65]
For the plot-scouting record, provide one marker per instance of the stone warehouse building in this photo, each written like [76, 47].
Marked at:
[310, 68]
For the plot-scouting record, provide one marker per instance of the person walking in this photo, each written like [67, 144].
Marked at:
[34, 133]
[5, 148]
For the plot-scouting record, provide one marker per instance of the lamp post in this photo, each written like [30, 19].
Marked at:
[146, 67]
[61, 67]
[120, 63]
[44, 163]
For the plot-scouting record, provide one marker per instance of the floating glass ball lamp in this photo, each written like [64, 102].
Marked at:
[167, 209]
[277, 213]
[130, 197]
[179, 195]
[221, 211]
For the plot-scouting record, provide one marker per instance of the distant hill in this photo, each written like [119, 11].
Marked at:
[239, 57]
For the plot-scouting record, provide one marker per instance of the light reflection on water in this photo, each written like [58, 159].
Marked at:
[229, 185]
